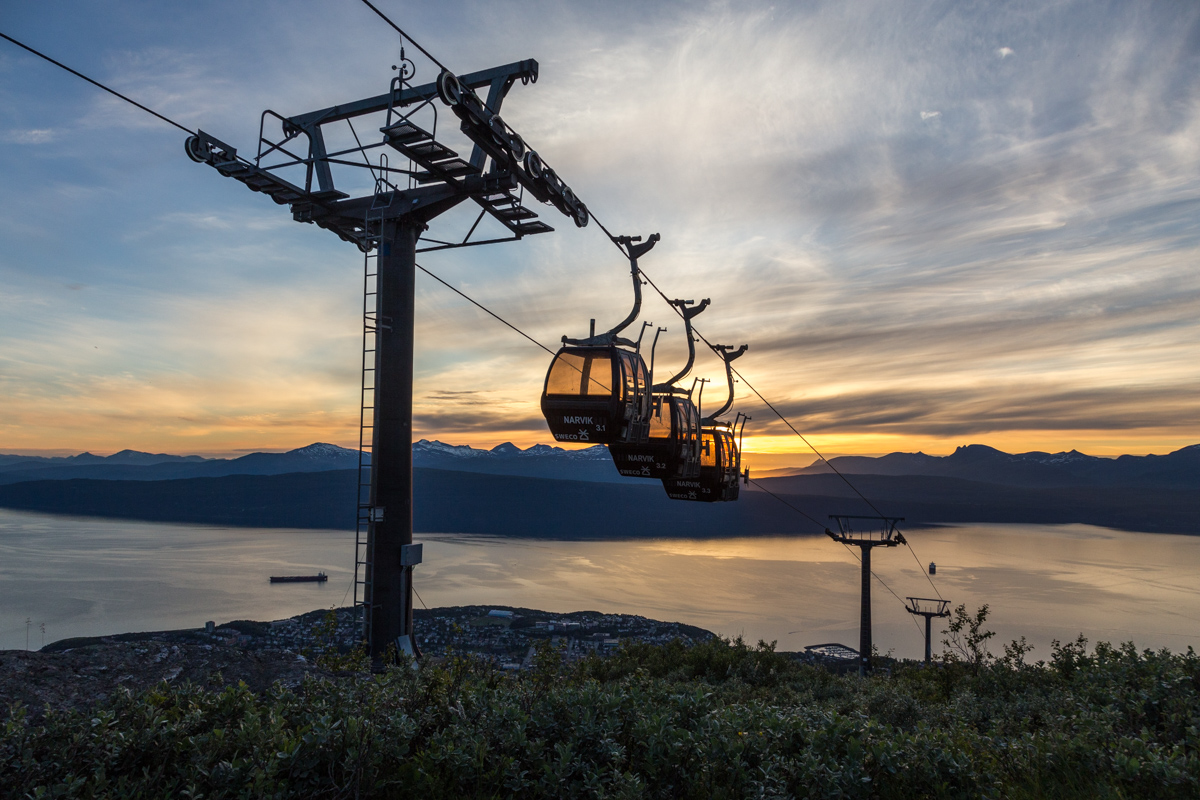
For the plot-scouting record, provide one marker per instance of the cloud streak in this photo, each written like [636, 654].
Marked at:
[932, 222]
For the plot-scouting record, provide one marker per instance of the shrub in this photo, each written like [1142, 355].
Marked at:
[721, 719]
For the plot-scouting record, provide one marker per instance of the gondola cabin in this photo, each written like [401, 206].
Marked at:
[672, 448]
[597, 395]
[720, 467]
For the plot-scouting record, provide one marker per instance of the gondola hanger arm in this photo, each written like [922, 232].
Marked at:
[688, 314]
[634, 248]
[728, 355]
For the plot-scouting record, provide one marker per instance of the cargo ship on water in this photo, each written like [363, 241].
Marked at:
[320, 577]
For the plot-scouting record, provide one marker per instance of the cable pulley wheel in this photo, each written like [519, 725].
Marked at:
[195, 150]
[450, 89]
[534, 165]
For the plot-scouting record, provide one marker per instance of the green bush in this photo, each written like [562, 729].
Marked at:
[721, 719]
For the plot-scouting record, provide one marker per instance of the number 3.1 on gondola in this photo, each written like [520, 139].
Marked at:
[598, 389]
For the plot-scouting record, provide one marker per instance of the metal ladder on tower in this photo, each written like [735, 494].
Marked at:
[364, 542]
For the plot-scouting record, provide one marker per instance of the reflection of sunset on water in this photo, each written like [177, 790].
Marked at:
[1041, 582]
[89, 576]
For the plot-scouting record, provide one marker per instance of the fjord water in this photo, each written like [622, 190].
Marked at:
[88, 577]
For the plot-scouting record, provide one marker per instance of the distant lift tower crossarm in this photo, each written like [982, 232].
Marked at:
[866, 533]
[388, 225]
[928, 608]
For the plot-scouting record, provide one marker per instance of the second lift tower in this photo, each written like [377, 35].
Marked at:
[866, 533]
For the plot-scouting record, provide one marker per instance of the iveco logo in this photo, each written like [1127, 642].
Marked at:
[577, 420]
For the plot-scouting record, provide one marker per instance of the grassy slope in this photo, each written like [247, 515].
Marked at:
[718, 720]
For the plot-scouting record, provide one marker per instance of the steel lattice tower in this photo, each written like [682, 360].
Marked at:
[388, 224]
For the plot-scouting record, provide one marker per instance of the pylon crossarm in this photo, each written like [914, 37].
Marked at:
[433, 167]
[928, 607]
[867, 531]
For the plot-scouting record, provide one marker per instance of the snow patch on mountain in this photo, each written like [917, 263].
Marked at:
[426, 447]
[322, 451]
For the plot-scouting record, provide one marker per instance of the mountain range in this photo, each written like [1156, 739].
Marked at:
[977, 462]
[539, 461]
[550, 492]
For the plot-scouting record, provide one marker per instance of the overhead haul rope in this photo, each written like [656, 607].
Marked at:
[678, 311]
[78, 74]
[802, 513]
[849, 549]
[610, 236]
[485, 309]
[398, 30]
[769, 405]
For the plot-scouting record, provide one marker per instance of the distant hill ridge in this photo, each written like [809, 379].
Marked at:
[123, 457]
[549, 491]
[460, 501]
[977, 462]
[538, 461]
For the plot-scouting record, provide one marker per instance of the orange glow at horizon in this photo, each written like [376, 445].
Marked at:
[277, 433]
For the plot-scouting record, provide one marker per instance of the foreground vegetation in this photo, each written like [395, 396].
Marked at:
[720, 719]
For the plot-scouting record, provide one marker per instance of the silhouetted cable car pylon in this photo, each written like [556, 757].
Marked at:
[720, 449]
[672, 448]
[598, 389]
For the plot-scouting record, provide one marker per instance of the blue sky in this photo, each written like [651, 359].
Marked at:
[934, 223]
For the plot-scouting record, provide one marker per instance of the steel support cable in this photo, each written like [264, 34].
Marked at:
[921, 567]
[807, 516]
[485, 309]
[501, 319]
[114, 92]
[804, 514]
[170, 121]
[835, 470]
[770, 405]
[497, 317]
[661, 294]
[363, 151]
[849, 549]
[766, 402]
[398, 30]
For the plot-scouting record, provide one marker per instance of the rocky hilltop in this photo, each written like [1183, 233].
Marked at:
[80, 672]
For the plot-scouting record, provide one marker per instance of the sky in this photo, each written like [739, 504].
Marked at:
[935, 224]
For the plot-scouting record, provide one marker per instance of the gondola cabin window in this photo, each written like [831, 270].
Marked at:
[728, 457]
[579, 374]
[708, 451]
[689, 425]
[660, 419]
[633, 370]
